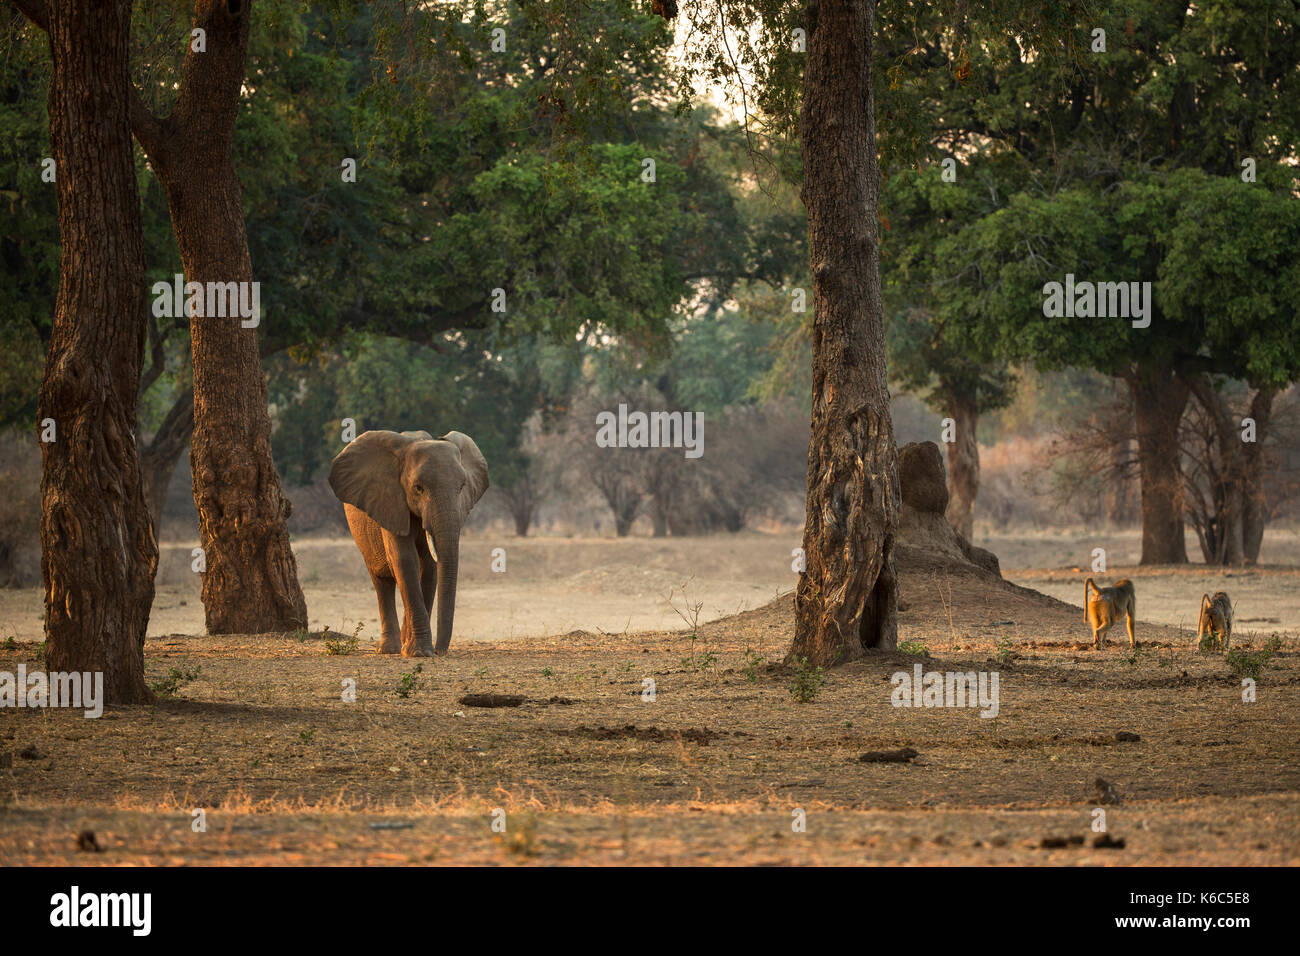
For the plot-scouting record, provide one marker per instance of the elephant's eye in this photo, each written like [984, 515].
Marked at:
[419, 489]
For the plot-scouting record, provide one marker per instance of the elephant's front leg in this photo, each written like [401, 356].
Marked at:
[428, 572]
[404, 559]
[386, 588]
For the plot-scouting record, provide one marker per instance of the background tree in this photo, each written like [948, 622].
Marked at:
[1222, 305]
[1202, 88]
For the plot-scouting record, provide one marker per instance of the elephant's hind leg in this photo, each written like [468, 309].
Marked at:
[386, 588]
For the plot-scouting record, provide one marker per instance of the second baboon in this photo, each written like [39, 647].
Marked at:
[1214, 629]
[1105, 608]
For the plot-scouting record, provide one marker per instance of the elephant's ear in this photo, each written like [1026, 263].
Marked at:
[476, 470]
[367, 475]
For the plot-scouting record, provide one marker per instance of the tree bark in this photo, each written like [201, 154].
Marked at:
[963, 463]
[251, 582]
[846, 600]
[1159, 397]
[98, 551]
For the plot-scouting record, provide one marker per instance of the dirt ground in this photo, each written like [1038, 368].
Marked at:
[719, 765]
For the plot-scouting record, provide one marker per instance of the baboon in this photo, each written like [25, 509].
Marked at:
[1214, 629]
[1107, 607]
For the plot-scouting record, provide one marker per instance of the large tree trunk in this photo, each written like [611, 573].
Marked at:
[1254, 511]
[963, 463]
[251, 581]
[1159, 397]
[846, 601]
[98, 552]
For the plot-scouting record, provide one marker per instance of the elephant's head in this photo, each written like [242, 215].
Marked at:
[396, 477]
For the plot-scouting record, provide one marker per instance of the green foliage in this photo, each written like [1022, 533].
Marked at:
[1125, 167]
[339, 645]
[177, 677]
[409, 682]
[1223, 296]
[753, 661]
[806, 681]
[915, 648]
[1005, 654]
[1251, 664]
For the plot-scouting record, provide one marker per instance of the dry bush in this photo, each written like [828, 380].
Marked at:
[316, 509]
[1015, 484]
[751, 471]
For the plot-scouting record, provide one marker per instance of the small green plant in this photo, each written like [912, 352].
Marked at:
[177, 677]
[306, 736]
[409, 682]
[1244, 663]
[342, 646]
[915, 648]
[40, 653]
[302, 635]
[753, 661]
[699, 660]
[1005, 653]
[690, 614]
[10, 643]
[806, 682]
[547, 672]
[1134, 656]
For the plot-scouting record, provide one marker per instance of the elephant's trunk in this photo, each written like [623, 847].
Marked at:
[446, 541]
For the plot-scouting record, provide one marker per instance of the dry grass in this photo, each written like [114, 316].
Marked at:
[710, 771]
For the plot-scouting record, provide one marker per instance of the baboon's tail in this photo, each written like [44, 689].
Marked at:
[1087, 584]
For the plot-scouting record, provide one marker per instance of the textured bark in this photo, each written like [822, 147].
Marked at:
[98, 552]
[846, 600]
[1159, 397]
[251, 582]
[963, 464]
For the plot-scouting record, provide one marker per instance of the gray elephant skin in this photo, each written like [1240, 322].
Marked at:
[396, 488]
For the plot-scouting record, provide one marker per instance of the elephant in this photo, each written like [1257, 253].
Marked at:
[396, 489]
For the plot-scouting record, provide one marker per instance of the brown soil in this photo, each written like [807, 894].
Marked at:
[589, 769]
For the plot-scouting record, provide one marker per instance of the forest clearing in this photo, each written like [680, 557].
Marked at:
[588, 772]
